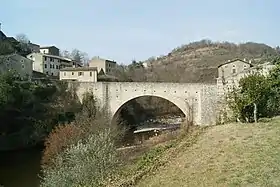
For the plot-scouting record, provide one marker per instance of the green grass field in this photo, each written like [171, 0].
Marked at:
[226, 155]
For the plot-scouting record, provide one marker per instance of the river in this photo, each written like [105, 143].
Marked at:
[20, 168]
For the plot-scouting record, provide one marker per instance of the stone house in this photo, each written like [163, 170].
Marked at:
[80, 74]
[233, 67]
[49, 64]
[103, 65]
[50, 50]
[230, 73]
[17, 63]
[35, 48]
[2, 36]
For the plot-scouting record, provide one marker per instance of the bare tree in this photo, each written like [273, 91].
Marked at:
[65, 54]
[76, 55]
[22, 38]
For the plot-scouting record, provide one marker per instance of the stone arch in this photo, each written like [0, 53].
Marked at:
[184, 105]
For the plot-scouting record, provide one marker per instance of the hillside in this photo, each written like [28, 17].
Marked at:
[195, 62]
[198, 61]
[226, 155]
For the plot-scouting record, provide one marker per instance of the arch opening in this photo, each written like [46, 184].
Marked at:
[142, 114]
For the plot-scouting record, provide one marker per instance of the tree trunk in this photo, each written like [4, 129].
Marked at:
[255, 113]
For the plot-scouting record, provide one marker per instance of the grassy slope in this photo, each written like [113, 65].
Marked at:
[227, 155]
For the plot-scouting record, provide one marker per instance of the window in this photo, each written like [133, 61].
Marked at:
[8, 59]
[52, 74]
[233, 70]
[90, 74]
[51, 59]
[80, 73]
[50, 66]
[233, 65]
[64, 73]
[45, 58]
[21, 60]
[22, 66]
[47, 73]
[56, 66]
[72, 73]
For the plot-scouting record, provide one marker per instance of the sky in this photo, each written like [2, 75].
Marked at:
[124, 30]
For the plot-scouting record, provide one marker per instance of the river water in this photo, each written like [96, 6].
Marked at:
[20, 168]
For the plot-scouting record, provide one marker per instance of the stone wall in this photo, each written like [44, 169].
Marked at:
[197, 101]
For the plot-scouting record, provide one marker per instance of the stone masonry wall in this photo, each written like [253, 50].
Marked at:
[197, 101]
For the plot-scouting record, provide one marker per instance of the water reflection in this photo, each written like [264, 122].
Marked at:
[20, 168]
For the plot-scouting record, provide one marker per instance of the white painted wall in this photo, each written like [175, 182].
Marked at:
[48, 64]
[87, 76]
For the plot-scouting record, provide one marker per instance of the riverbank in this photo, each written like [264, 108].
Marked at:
[226, 155]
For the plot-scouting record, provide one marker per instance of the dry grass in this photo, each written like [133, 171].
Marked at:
[146, 159]
[227, 155]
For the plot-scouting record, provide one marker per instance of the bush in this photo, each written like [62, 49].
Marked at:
[257, 96]
[250, 100]
[82, 153]
[88, 163]
[34, 107]
[58, 140]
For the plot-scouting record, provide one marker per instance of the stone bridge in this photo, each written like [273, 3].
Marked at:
[196, 101]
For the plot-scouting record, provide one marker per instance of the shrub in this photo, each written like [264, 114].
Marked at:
[82, 153]
[58, 140]
[251, 99]
[65, 135]
[88, 163]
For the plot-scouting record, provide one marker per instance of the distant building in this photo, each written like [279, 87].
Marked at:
[50, 50]
[145, 64]
[80, 74]
[35, 48]
[230, 73]
[232, 67]
[103, 65]
[5, 38]
[49, 64]
[265, 68]
[17, 63]
[76, 63]
[2, 36]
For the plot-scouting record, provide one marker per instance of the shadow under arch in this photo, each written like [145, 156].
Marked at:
[132, 112]
[134, 103]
